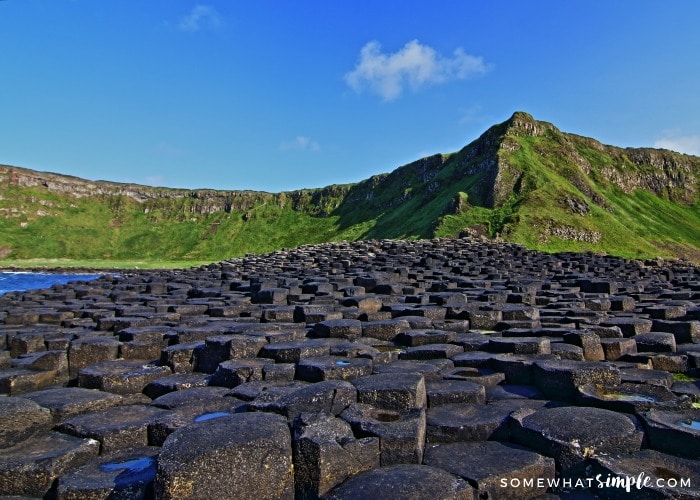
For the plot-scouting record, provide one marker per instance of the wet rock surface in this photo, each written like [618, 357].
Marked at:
[427, 369]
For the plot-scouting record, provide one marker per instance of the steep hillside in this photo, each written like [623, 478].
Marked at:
[522, 180]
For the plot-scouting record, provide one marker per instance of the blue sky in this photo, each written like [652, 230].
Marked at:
[281, 95]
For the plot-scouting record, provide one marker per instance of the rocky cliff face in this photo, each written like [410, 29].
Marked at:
[201, 201]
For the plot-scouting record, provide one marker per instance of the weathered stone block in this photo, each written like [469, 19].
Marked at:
[196, 461]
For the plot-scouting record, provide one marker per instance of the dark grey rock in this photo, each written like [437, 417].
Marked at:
[676, 432]
[116, 428]
[401, 433]
[21, 419]
[467, 422]
[495, 470]
[176, 382]
[331, 396]
[572, 434]
[180, 357]
[631, 398]
[117, 476]
[160, 427]
[88, 351]
[185, 397]
[417, 482]
[655, 342]
[121, 376]
[66, 402]
[238, 371]
[429, 371]
[332, 368]
[326, 453]
[30, 468]
[454, 391]
[386, 391]
[645, 474]
[197, 461]
[560, 379]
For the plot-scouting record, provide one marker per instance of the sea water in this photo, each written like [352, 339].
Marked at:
[21, 281]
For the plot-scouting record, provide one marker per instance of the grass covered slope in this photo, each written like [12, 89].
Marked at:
[522, 180]
[573, 193]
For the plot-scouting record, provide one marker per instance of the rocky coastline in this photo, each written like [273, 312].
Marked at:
[423, 369]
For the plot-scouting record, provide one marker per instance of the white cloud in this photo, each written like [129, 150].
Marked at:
[415, 64]
[688, 144]
[200, 17]
[300, 143]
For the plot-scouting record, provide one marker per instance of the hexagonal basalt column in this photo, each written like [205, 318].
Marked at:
[418, 482]
[675, 432]
[401, 433]
[332, 368]
[387, 391]
[572, 434]
[496, 470]
[560, 379]
[197, 461]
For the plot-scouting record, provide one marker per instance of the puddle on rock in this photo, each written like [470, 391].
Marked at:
[691, 424]
[387, 348]
[629, 397]
[212, 415]
[137, 464]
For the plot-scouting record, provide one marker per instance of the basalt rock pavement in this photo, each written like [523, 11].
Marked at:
[425, 369]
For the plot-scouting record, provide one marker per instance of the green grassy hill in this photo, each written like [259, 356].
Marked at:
[523, 181]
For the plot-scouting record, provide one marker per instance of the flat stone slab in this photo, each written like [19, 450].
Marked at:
[675, 432]
[429, 371]
[238, 371]
[418, 337]
[519, 345]
[454, 391]
[473, 422]
[197, 461]
[560, 379]
[175, 382]
[326, 453]
[332, 368]
[29, 468]
[483, 376]
[645, 474]
[631, 398]
[293, 351]
[21, 419]
[67, 402]
[401, 433]
[14, 381]
[387, 391]
[186, 397]
[118, 476]
[495, 470]
[417, 482]
[121, 376]
[330, 396]
[115, 428]
[572, 434]
[160, 427]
